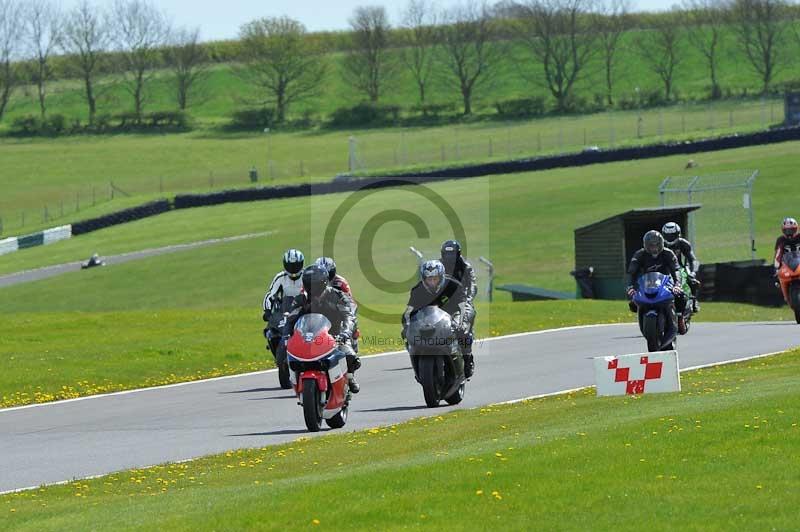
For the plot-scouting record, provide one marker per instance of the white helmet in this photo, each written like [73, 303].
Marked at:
[432, 274]
[293, 263]
[671, 232]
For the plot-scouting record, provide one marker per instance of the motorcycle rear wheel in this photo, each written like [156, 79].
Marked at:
[431, 387]
[312, 407]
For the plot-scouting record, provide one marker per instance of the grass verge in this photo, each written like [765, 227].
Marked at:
[717, 456]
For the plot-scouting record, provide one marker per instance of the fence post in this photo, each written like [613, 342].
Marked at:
[490, 146]
[442, 152]
[211, 180]
[1, 225]
[302, 170]
[46, 215]
[23, 218]
[538, 141]
[161, 184]
[62, 208]
[94, 202]
[351, 154]
[77, 201]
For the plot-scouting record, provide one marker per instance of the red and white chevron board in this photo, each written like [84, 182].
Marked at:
[636, 374]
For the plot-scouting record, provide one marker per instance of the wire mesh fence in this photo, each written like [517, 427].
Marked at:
[722, 229]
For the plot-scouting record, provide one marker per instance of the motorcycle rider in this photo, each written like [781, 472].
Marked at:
[459, 271]
[318, 297]
[685, 255]
[339, 283]
[654, 257]
[788, 242]
[286, 283]
[437, 289]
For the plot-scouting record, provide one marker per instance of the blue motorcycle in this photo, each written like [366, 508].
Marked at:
[656, 309]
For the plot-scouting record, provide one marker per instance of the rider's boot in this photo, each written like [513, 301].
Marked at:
[353, 363]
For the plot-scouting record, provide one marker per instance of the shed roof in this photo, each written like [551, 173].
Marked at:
[639, 214]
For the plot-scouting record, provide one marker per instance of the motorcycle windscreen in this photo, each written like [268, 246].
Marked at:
[427, 323]
[792, 260]
[310, 325]
[650, 283]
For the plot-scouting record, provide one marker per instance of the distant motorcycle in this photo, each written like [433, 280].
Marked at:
[655, 300]
[318, 369]
[789, 279]
[436, 357]
[688, 312]
[274, 335]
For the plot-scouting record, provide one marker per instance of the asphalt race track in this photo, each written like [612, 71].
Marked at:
[62, 441]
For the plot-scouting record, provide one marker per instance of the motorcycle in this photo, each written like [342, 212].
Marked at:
[688, 311]
[435, 356]
[654, 300]
[318, 371]
[789, 279]
[274, 335]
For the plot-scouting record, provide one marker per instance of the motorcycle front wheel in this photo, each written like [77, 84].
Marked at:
[312, 406]
[429, 378]
[651, 332]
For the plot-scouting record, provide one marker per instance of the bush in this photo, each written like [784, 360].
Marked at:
[251, 119]
[520, 107]
[434, 110]
[26, 125]
[365, 115]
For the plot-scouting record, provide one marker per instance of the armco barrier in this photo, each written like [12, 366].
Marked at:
[57, 233]
[8, 245]
[29, 241]
[186, 201]
[613, 155]
[120, 217]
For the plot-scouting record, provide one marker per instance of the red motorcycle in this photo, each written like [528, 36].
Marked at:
[789, 278]
[318, 372]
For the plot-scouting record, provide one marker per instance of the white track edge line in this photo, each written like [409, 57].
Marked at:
[238, 375]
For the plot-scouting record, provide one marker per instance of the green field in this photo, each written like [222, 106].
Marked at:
[717, 456]
[188, 314]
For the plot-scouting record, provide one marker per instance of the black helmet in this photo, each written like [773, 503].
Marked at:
[653, 243]
[329, 265]
[315, 280]
[293, 262]
[451, 252]
[431, 273]
[671, 232]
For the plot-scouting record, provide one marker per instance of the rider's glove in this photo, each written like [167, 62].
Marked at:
[677, 290]
[343, 338]
[631, 291]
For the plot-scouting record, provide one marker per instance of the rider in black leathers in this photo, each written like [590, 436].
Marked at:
[686, 257]
[653, 257]
[317, 297]
[461, 274]
[438, 289]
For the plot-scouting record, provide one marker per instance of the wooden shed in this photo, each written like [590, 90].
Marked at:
[609, 244]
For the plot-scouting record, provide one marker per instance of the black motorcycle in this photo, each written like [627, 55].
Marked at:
[275, 342]
[435, 356]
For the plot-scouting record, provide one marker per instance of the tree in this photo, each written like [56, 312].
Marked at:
[760, 26]
[368, 65]
[279, 59]
[10, 25]
[661, 48]
[705, 20]
[561, 35]
[86, 38]
[419, 21]
[613, 22]
[141, 30]
[469, 55]
[43, 29]
[189, 61]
